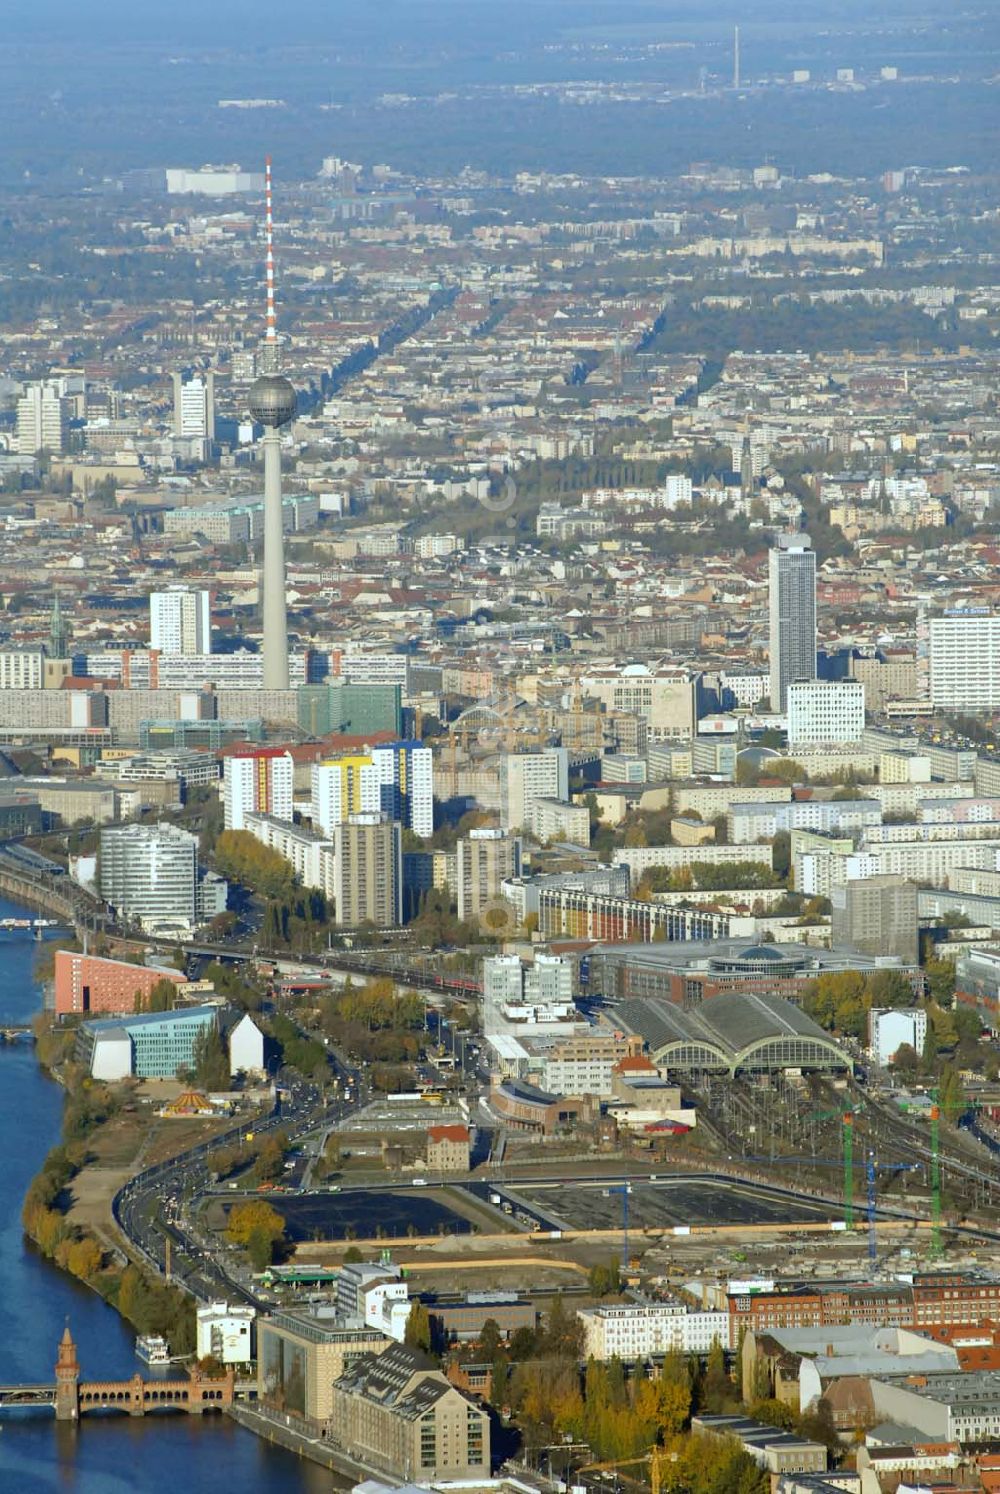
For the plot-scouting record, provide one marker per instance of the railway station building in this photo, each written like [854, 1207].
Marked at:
[732, 1034]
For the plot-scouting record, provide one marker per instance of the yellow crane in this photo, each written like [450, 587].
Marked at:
[656, 1457]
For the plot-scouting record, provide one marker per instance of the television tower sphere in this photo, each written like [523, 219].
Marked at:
[273, 401]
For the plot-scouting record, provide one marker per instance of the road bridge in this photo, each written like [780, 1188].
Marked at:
[12, 1033]
[71, 1397]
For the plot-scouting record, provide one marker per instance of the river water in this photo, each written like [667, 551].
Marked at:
[160, 1454]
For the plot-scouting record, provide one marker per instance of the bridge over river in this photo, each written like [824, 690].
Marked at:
[71, 1397]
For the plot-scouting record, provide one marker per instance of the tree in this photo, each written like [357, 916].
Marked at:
[162, 997]
[787, 771]
[211, 1066]
[83, 1258]
[940, 977]
[604, 1280]
[775, 1413]
[952, 1098]
[671, 1402]
[838, 1001]
[890, 988]
[563, 1337]
[818, 1425]
[943, 1022]
[240, 857]
[418, 1328]
[333, 1152]
[270, 1160]
[930, 1053]
[711, 1465]
[490, 1339]
[254, 1214]
[968, 1026]
[782, 853]
[260, 1247]
[906, 1062]
[675, 1369]
[717, 1390]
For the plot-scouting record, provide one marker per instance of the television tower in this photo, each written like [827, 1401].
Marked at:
[736, 57]
[272, 403]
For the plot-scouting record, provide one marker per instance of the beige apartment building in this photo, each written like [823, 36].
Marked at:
[483, 859]
[448, 1148]
[368, 872]
[397, 1413]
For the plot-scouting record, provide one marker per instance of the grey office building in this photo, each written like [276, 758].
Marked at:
[877, 915]
[792, 597]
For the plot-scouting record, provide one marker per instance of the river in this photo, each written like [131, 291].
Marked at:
[104, 1454]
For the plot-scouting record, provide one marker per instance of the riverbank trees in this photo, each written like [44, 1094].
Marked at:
[148, 1304]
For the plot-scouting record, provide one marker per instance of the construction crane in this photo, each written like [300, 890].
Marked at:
[872, 1169]
[936, 1241]
[846, 1118]
[624, 1189]
[655, 1458]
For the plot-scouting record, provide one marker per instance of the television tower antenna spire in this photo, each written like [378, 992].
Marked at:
[736, 57]
[271, 321]
[272, 405]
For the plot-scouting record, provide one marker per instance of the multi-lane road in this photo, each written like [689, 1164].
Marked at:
[157, 1205]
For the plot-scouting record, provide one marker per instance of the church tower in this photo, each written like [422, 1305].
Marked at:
[58, 632]
[67, 1379]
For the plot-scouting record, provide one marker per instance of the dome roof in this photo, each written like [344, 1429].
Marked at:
[757, 755]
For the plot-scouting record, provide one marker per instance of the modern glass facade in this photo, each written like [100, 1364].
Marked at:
[162, 1042]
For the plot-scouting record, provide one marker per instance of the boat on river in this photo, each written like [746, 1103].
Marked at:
[152, 1349]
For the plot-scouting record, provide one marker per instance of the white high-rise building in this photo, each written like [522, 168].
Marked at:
[964, 662]
[825, 712]
[151, 873]
[342, 787]
[194, 406]
[22, 668]
[406, 784]
[42, 419]
[638, 1330]
[517, 996]
[792, 599]
[549, 979]
[527, 776]
[676, 489]
[503, 985]
[257, 782]
[180, 621]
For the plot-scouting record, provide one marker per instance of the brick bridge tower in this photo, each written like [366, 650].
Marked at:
[67, 1379]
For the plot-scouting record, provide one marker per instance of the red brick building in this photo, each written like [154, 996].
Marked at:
[87, 983]
[932, 1300]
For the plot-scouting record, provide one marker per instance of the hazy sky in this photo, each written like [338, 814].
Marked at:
[90, 88]
[246, 22]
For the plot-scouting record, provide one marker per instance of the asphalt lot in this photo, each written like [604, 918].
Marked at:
[672, 1202]
[332, 1216]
